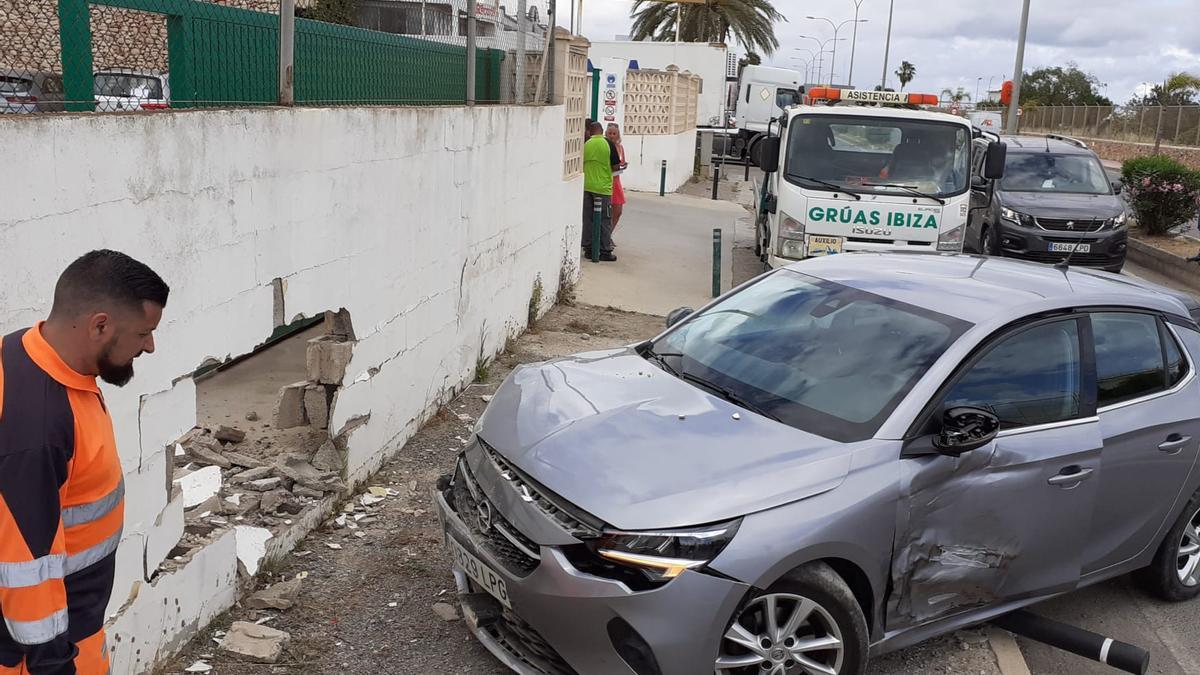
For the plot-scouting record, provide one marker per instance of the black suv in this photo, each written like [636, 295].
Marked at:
[1055, 198]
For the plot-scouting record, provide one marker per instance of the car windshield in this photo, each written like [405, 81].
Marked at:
[14, 85]
[878, 154]
[142, 87]
[1047, 172]
[820, 356]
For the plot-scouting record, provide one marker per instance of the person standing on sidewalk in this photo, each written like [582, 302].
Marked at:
[600, 158]
[62, 497]
[613, 134]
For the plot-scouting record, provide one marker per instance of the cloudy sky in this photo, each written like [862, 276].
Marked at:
[954, 42]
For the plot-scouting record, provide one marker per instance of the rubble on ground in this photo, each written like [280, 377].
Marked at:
[254, 642]
[276, 596]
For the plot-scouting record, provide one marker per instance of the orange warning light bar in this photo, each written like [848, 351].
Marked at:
[866, 96]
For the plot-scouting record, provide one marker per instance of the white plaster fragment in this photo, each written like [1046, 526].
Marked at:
[199, 486]
[251, 546]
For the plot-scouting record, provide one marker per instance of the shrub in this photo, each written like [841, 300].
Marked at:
[1162, 192]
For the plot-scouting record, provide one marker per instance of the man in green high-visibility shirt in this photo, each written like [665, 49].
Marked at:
[600, 159]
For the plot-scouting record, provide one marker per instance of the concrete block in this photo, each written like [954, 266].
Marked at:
[164, 535]
[167, 415]
[146, 493]
[316, 406]
[252, 642]
[327, 359]
[199, 485]
[289, 407]
[251, 546]
[130, 571]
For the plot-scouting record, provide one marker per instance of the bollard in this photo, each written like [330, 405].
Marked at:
[716, 177]
[716, 277]
[597, 207]
[662, 180]
[747, 178]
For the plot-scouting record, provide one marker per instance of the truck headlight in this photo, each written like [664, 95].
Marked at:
[790, 228]
[951, 240]
[790, 237]
[662, 556]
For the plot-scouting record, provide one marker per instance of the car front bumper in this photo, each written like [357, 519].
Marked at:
[564, 621]
[1107, 248]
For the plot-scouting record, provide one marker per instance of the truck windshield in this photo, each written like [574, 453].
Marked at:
[878, 154]
[822, 357]
[1043, 172]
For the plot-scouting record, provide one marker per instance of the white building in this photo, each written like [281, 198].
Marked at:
[708, 60]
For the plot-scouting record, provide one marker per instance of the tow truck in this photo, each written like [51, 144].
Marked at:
[857, 170]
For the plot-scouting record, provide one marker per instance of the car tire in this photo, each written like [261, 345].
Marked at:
[835, 615]
[1162, 577]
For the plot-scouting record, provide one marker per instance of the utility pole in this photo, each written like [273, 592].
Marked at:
[287, 46]
[1018, 69]
[887, 46]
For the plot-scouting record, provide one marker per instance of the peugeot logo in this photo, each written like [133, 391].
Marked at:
[484, 509]
[1070, 224]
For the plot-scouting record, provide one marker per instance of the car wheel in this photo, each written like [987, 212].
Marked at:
[990, 241]
[1175, 573]
[807, 622]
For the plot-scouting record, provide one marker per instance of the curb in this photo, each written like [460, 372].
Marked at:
[1171, 266]
[1008, 654]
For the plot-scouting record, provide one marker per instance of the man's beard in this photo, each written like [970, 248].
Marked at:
[113, 373]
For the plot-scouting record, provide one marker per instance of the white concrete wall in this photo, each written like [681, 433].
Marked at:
[703, 59]
[646, 153]
[428, 225]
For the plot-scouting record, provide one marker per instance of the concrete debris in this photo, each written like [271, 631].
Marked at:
[251, 546]
[277, 596]
[303, 473]
[198, 486]
[198, 667]
[251, 416]
[260, 644]
[199, 528]
[369, 499]
[327, 358]
[289, 407]
[486, 398]
[179, 451]
[328, 458]
[229, 434]
[336, 547]
[302, 491]
[360, 535]
[445, 611]
[246, 504]
[204, 453]
[280, 500]
[264, 484]
[251, 474]
[207, 507]
[239, 459]
[316, 406]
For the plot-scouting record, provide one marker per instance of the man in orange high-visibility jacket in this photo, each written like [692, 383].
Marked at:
[61, 492]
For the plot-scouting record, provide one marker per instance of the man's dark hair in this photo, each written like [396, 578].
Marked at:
[105, 276]
[596, 128]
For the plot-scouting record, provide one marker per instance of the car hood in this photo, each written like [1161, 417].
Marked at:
[1060, 205]
[638, 448]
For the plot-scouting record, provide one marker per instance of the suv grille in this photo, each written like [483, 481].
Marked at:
[1080, 225]
[494, 533]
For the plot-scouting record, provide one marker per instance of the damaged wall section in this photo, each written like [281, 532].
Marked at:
[428, 226]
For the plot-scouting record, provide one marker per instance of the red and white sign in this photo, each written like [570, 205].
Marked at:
[486, 11]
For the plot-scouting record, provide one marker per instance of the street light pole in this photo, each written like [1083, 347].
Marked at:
[854, 41]
[887, 46]
[978, 81]
[1015, 104]
[836, 28]
[812, 61]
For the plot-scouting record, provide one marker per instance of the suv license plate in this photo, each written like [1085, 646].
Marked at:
[1062, 247]
[479, 572]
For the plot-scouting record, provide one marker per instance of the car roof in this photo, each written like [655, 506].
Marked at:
[981, 289]
[1043, 144]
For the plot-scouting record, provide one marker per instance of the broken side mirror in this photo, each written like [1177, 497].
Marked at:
[766, 153]
[964, 429]
[678, 314]
[978, 182]
[993, 165]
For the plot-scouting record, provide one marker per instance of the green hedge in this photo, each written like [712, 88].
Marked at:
[1162, 192]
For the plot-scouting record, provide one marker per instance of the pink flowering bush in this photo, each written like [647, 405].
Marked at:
[1162, 192]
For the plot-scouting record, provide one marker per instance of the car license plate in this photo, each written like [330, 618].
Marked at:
[479, 572]
[1062, 247]
[819, 245]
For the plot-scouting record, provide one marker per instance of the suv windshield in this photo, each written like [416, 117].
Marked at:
[121, 85]
[864, 154]
[1048, 172]
[819, 356]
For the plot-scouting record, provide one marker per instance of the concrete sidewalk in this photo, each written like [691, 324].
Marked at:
[664, 254]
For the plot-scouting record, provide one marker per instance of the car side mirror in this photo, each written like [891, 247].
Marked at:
[964, 429]
[993, 166]
[678, 314]
[978, 182]
[1117, 186]
[765, 154]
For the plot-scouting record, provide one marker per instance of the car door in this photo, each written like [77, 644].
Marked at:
[1147, 405]
[1008, 519]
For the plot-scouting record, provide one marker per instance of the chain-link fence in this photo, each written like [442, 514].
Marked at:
[1169, 125]
[115, 55]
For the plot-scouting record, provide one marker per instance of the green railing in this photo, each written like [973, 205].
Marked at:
[224, 56]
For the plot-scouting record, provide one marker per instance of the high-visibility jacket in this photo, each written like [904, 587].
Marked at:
[61, 511]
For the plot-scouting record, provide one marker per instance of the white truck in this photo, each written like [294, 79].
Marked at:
[858, 170]
[763, 93]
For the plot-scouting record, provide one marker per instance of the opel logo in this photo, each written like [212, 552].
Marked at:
[484, 509]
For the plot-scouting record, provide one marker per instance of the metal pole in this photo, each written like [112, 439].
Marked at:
[662, 180]
[424, 27]
[716, 270]
[287, 46]
[521, 52]
[470, 52]
[1178, 124]
[978, 81]
[1015, 104]
[716, 177]
[597, 209]
[548, 50]
[678, 20]
[1158, 129]
[854, 42]
[887, 46]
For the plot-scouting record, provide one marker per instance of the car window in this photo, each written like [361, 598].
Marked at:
[122, 85]
[1129, 356]
[1048, 172]
[785, 98]
[14, 85]
[820, 356]
[1177, 366]
[1029, 378]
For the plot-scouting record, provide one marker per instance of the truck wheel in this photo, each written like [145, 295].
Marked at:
[1175, 573]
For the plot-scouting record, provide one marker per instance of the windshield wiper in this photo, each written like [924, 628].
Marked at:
[832, 186]
[911, 190]
[646, 349]
[727, 395]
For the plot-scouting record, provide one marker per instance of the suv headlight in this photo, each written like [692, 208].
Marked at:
[1015, 216]
[1119, 221]
[662, 556]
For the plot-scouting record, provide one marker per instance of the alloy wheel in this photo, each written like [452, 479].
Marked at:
[1187, 564]
[782, 634]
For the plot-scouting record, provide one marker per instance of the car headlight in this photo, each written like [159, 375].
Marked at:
[1008, 214]
[1119, 221]
[662, 556]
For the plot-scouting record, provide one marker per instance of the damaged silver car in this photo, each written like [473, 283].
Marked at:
[833, 461]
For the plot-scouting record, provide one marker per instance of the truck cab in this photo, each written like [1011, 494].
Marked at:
[866, 171]
[763, 94]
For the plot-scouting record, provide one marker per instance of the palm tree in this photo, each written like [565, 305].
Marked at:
[752, 22]
[1176, 90]
[906, 72]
